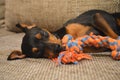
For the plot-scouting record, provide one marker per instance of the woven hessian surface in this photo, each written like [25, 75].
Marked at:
[99, 68]
[52, 14]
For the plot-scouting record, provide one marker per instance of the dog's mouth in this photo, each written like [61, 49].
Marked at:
[52, 50]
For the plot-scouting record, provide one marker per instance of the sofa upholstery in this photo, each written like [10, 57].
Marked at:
[2, 12]
[52, 14]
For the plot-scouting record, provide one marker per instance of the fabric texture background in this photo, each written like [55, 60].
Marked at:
[2, 9]
[2, 12]
[52, 14]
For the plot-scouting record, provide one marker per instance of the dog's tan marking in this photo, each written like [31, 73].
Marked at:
[77, 30]
[118, 22]
[38, 36]
[34, 50]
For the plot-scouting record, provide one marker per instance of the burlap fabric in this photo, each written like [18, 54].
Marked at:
[2, 12]
[2, 9]
[101, 67]
[51, 14]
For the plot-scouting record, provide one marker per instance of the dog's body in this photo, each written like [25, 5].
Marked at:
[40, 43]
[96, 21]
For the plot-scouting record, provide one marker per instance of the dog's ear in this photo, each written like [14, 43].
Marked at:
[16, 55]
[23, 27]
[31, 26]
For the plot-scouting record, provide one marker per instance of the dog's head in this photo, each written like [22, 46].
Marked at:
[39, 42]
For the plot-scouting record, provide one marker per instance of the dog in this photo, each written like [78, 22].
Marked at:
[40, 43]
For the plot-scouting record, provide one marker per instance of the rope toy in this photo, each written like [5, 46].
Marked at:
[70, 57]
[74, 47]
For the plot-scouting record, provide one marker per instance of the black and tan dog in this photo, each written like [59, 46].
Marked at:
[41, 43]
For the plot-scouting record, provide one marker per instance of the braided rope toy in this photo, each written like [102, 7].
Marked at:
[74, 47]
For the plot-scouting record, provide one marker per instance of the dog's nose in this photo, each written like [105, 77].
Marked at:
[59, 48]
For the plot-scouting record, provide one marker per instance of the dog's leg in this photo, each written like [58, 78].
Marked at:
[118, 22]
[16, 55]
[102, 25]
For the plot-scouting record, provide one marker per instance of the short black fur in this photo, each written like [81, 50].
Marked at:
[87, 19]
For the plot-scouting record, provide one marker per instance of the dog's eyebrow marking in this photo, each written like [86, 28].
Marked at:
[38, 36]
[34, 50]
